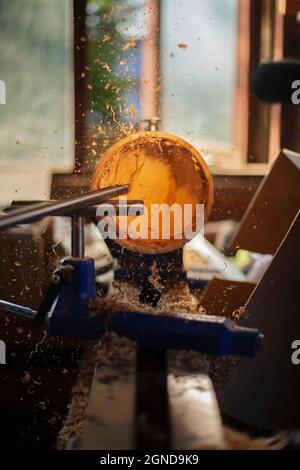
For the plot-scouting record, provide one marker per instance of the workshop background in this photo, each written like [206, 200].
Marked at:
[79, 76]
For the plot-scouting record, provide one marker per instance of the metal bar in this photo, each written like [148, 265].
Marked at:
[194, 415]
[110, 419]
[18, 309]
[38, 211]
[77, 240]
[204, 333]
[90, 211]
[195, 419]
[152, 415]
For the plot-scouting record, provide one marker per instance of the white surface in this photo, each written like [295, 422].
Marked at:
[214, 259]
[24, 183]
[36, 63]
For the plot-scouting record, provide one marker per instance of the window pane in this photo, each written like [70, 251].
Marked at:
[36, 64]
[198, 59]
[115, 33]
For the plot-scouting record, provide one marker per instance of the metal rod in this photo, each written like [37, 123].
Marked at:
[129, 202]
[18, 309]
[77, 245]
[40, 210]
[90, 211]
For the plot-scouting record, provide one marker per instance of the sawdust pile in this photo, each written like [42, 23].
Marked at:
[115, 351]
[175, 298]
[73, 424]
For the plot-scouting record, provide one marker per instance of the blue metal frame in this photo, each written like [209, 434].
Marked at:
[71, 316]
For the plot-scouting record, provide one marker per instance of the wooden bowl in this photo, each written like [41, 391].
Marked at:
[161, 169]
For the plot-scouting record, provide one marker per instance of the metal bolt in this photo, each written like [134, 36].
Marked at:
[56, 278]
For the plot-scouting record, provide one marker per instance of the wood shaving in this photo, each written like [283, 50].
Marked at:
[174, 299]
[73, 424]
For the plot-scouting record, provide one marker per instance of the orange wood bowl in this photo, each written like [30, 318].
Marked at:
[161, 169]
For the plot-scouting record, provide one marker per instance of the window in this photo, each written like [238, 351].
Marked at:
[115, 33]
[36, 65]
[198, 64]
[168, 57]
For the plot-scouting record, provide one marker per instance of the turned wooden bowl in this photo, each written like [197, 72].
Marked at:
[161, 169]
